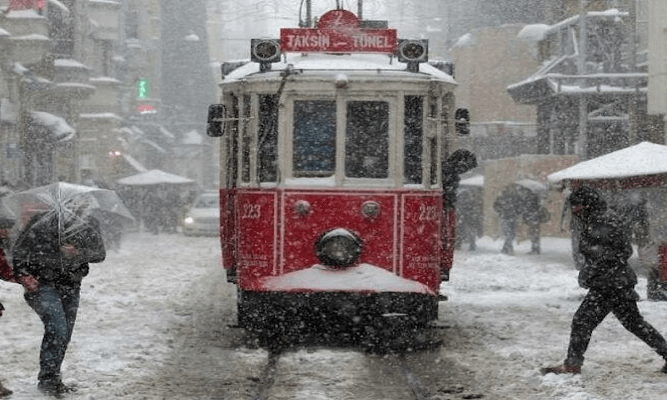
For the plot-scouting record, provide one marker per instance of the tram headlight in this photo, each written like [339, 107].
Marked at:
[338, 248]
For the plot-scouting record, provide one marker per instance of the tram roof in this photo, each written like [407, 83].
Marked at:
[359, 64]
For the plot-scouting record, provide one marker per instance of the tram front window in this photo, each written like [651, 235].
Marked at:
[314, 138]
[367, 139]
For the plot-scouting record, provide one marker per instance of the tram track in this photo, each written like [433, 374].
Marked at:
[275, 379]
[268, 375]
[418, 389]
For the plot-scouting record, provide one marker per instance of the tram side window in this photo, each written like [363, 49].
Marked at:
[367, 139]
[314, 138]
[412, 139]
[232, 150]
[246, 140]
[267, 140]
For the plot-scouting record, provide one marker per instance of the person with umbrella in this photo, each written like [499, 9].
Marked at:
[50, 258]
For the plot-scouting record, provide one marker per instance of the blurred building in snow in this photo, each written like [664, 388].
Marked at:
[590, 91]
[81, 92]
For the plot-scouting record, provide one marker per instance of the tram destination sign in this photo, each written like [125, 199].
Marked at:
[338, 31]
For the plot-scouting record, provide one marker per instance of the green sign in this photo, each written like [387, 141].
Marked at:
[142, 88]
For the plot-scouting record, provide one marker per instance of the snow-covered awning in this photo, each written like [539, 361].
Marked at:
[58, 128]
[643, 159]
[193, 138]
[134, 163]
[473, 181]
[542, 86]
[154, 177]
[166, 133]
[60, 6]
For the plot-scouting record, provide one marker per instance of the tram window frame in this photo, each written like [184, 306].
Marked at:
[300, 131]
[364, 170]
[267, 138]
[434, 142]
[246, 138]
[413, 139]
[233, 144]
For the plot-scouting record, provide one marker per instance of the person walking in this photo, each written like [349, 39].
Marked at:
[534, 216]
[4, 392]
[508, 207]
[467, 219]
[50, 258]
[6, 274]
[606, 246]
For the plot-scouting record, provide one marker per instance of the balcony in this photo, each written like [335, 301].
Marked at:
[105, 15]
[24, 22]
[25, 36]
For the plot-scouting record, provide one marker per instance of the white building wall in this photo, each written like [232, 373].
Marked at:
[657, 48]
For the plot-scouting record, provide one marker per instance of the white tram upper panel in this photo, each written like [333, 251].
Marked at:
[370, 67]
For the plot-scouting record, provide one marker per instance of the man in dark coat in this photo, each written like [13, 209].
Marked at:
[50, 258]
[6, 274]
[606, 246]
[460, 162]
[3, 390]
[508, 205]
[534, 215]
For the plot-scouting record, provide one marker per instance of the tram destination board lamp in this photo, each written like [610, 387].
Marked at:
[265, 52]
[413, 52]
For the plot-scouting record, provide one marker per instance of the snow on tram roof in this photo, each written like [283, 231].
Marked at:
[359, 63]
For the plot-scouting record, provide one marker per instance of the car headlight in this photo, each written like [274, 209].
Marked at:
[338, 248]
[189, 220]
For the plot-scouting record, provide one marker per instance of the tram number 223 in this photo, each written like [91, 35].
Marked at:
[251, 211]
[428, 213]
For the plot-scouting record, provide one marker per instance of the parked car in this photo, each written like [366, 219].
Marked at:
[203, 217]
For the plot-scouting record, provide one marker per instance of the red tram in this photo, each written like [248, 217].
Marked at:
[331, 145]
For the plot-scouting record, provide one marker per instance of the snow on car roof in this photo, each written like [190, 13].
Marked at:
[359, 63]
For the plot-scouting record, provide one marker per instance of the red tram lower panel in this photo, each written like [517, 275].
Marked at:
[275, 232]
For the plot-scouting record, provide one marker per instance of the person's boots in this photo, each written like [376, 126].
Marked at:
[4, 392]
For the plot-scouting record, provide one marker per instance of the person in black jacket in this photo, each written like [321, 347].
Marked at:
[605, 243]
[509, 207]
[50, 258]
[535, 214]
[3, 390]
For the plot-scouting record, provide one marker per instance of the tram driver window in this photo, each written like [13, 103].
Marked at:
[314, 138]
[367, 139]
[267, 140]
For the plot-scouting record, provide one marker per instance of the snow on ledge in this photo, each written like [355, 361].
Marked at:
[363, 277]
[533, 33]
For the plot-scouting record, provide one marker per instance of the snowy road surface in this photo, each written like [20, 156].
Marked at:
[154, 323]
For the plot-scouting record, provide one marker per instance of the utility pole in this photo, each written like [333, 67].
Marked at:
[632, 60]
[309, 14]
[583, 101]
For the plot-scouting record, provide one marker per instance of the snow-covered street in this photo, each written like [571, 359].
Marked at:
[154, 323]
